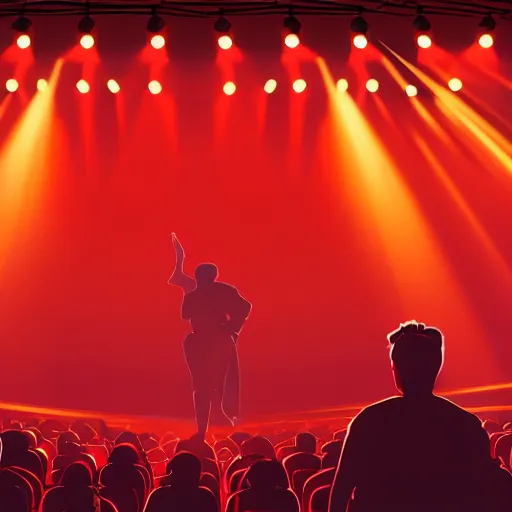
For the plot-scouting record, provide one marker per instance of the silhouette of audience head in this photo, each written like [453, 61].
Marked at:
[129, 438]
[206, 273]
[84, 431]
[77, 474]
[258, 445]
[267, 475]
[14, 443]
[184, 470]
[340, 435]
[331, 454]
[305, 442]
[124, 455]
[68, 443]
[417, 354]
[196, 446]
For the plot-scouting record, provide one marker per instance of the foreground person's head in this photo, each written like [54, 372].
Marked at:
[206, 274]
[417, 354]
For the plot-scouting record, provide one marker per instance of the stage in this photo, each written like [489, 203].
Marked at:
[340, 203]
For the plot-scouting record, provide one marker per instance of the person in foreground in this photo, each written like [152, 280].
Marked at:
[217, 313]
[418, 452]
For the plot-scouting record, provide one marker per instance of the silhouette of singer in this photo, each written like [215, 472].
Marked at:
[217, 313]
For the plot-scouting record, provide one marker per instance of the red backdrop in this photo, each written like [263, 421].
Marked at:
[269, 192]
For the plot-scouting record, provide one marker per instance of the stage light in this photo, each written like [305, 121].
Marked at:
[270, 86]
[486, 41]
[372, 85]
[229, 88]
[155, 26]
[359, 28]
[157, 41]
[299, 85]
[85, 27]
[455, 84]
[42, 85]
[12, 85]
[411, 91]
[22, 26]
[155, 87]
[423, 28]
[486, 27]
[342, 85]
[424, 41]
[23, 41]
[225, 42]
[360, 42]
[113, 86]
[83, 87]
[292, 30]
[87, 41]
[223, 28]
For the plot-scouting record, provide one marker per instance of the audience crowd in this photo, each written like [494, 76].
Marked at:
[415, 452]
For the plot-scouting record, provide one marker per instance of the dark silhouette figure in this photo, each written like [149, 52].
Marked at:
[75, 492]
[183, 492]
[325, 477]
[304, 456]
[217, 313]
[418, 452]
[16, 493]
[268, 490]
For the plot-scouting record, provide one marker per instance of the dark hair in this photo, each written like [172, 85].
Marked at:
[305, 442]
[267, 474]
[417, 354]
[124, 454]
[185, 469]
[206, 273]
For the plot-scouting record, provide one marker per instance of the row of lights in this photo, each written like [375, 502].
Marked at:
[229, 88]
[156, 29]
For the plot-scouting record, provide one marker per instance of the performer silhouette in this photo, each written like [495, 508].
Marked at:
[217, 313]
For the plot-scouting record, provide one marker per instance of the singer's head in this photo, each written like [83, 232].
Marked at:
[206, 274]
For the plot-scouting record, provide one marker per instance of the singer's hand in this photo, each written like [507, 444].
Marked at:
[180, 252]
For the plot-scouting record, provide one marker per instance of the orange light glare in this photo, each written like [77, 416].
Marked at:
[23, 41]
[155, 87]
[299, 85]
[360, 41]
[42, 85]
[455, 84]
[225, 42]
[424, 41]
[292, 40]
[229, 88]
[411, 91]
[113, 86]
[270, 86]
[372, 85]
[486, 41]
[342, 85]
[12, 85]
[157, 42]
[83, 87]
[87, 41]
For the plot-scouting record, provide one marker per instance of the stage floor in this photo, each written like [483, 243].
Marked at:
[491, 401]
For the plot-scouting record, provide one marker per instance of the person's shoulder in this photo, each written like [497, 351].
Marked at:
[380, 407]
[458, 412]
[161, 492]
[225, 286]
